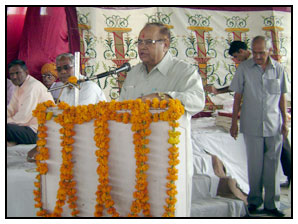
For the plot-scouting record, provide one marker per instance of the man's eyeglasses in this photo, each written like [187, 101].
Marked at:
[148, 42]
[65, 67]
[49, 76]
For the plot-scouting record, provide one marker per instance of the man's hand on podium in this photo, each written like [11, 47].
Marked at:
[160, 96]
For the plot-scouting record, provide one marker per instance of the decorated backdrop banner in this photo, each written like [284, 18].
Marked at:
[199, 36]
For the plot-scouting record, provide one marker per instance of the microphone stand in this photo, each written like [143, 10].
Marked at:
[88, 79]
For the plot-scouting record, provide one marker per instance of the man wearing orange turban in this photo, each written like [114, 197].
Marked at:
[49, 77]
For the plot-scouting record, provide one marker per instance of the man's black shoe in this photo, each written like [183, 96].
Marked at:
[252, 209]
[285, 185]
[275, 212]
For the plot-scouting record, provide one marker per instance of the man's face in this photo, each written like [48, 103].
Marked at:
[65, 69]
[48, 79]
[260, 53]
[241, 55]
[17, 75]
[152, 54]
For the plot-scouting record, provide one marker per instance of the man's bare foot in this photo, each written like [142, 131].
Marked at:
[31, 155]
[10, 144]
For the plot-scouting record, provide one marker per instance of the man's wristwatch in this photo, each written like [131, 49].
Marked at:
[162, 96]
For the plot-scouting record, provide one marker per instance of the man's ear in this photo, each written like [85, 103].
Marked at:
[167, 44]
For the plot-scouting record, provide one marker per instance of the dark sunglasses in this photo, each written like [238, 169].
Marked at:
[65, 67]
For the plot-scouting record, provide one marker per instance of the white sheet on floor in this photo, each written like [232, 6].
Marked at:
[218, 207]
[207, 137]
[20, 182]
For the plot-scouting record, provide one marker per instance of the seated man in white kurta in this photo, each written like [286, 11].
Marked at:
[90, 92]
[163, 76]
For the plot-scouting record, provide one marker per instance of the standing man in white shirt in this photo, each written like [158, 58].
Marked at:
[261, 82]
[162, 76]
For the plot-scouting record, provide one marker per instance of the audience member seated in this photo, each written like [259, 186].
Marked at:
[10, 89]
[21, 125]
[90, 92]
[49, 77]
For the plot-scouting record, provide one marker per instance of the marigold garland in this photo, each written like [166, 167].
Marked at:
[140, 118]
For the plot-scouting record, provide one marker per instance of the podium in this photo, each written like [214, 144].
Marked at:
[121, 167]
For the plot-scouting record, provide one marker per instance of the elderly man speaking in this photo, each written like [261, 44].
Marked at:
[162, 76]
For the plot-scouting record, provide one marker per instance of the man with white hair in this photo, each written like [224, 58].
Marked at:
[164, 77]
[90, 92]
[261, 82]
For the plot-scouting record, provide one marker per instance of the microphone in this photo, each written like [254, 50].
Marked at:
[124, 68]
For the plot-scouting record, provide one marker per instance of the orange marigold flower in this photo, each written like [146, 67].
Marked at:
[42, 135]
[72, 79]
[36, 193]
[75, 212]
[38, 205]
[41, 142]
[41, 213]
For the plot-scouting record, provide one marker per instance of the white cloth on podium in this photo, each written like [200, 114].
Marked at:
[121, 168]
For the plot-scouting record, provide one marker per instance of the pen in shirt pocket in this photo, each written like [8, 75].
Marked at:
[129, 87]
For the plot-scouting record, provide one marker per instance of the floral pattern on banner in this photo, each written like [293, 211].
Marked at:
[200, 37]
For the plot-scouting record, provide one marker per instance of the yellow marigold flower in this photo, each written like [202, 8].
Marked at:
[155, 103]
[173, 141]
[72, 79]
[49, 115]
